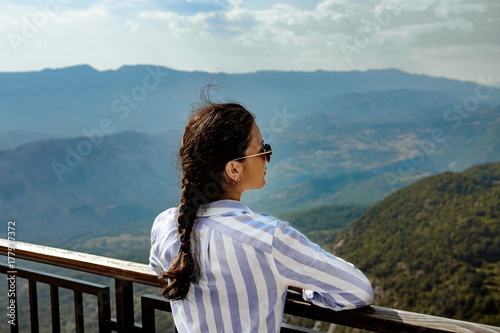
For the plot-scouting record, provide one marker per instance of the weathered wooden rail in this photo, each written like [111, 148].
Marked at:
[125, 273]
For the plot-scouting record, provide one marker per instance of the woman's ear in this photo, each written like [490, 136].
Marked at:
[233, 171]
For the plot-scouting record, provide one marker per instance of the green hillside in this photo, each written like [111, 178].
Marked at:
[323, 224]
[434, 246]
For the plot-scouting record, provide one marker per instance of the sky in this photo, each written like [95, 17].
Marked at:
[458, 39]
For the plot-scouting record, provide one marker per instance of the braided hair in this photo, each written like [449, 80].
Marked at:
[214, 135]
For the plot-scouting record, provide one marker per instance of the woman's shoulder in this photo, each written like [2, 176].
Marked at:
[168, 214]
[271, 219]
[165, 219]
[276, 225]
[281, 228]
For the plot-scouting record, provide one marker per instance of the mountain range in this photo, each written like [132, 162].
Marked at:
[59, 103]
[83, 150]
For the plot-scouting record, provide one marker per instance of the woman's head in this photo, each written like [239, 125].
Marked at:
[216, 164]
[215, 135]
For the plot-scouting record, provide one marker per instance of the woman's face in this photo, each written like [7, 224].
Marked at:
[254, 167]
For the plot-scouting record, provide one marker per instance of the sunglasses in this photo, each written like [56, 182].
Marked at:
[266, 149]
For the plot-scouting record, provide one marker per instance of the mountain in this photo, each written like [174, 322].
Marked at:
[386, 106]
[58, 188]
[338, 138]
[13, 139]
[73, 186]
[434, 246]
[319, 160]
[151, 99]
[356, 188]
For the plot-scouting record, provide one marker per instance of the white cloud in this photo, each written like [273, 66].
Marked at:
[132, 25]
[108, 34]
[177, 24]
[443, 10]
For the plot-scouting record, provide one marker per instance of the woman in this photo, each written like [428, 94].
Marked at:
[224, 267]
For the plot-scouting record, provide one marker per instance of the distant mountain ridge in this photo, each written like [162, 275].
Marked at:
[387, 106]
[64, 102]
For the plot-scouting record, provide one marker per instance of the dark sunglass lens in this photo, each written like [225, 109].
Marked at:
[267, 147]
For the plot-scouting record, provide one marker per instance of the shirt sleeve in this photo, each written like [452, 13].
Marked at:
[164, 237]
[154, 258]
[326, 280]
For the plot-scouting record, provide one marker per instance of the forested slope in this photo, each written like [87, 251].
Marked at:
[434, 246]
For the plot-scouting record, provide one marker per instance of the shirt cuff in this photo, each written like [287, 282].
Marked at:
[318, 300]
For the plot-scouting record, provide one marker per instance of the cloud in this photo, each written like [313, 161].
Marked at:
[175, 24]
[283, 35]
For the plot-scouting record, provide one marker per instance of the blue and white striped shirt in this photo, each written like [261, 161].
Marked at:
[246, 262]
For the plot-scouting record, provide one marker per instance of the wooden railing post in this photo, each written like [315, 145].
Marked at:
[124, 305]
[148, 318]
[33, 298]
[54, 305]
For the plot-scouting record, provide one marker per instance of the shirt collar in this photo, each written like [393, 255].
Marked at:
[223, 207]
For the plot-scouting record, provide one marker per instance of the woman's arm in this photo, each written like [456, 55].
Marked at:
[326, 280]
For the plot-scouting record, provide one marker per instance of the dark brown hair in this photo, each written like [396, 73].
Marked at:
[214, 135]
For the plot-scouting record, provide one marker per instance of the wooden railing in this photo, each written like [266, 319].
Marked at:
[125, 274]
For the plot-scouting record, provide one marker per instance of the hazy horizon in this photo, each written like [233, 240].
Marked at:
[458, 40]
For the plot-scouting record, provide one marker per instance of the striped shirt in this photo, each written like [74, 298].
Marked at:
[246, 262]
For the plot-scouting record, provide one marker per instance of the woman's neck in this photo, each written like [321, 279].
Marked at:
[230, 196]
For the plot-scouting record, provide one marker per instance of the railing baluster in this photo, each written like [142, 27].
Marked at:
[78, 311]
[33, 306]
[104, 309]
[148, 316]
[124, 305]
[54, 305]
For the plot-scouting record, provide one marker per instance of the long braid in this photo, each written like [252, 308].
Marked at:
[183, 271]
